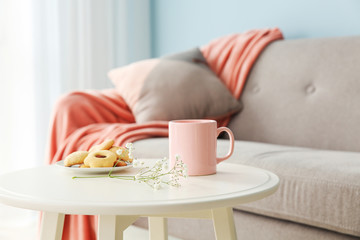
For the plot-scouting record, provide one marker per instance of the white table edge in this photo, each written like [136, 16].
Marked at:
[25, 202]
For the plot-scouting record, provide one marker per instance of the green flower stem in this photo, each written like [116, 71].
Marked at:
[152, 176]
[91, 177]
[124, 177]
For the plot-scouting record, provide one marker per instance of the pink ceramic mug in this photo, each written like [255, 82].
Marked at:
[195, 141]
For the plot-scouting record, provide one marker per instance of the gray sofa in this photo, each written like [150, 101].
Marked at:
[300, 120]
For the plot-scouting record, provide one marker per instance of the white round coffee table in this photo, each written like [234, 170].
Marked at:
[118, 203]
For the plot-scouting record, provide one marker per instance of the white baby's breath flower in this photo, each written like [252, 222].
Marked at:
[185, 173]
[119, 151]
[136, 163]
[159, 162]
[129, 145]
[165, 165]
[174, 184]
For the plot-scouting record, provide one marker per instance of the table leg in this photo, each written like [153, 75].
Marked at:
[52, 225]
[223, 220]
[112, 227]
[158, 228]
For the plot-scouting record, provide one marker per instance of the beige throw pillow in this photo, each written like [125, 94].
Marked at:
[180, 86]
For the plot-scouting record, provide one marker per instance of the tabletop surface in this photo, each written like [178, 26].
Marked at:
[50, 188]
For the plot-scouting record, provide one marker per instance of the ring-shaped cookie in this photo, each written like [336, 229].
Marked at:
[105, 145]
[74, 158]
[100, 158]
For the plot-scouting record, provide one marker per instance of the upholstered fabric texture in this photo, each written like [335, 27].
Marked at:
[180, 86]
[317, 188]
[304, 92]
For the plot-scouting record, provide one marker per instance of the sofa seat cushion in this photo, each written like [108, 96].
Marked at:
[318, 188]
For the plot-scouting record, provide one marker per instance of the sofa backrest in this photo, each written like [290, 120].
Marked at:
[304, 92]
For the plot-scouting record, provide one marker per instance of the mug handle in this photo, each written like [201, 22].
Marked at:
[231, 150]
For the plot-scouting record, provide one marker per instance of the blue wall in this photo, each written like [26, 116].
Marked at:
[177, 25]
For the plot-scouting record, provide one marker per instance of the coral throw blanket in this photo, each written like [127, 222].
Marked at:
[84, 118]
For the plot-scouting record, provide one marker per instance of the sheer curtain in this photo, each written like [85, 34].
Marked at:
[48, 48]
[17, 119]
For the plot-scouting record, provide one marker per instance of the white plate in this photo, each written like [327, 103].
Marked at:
[77, 169]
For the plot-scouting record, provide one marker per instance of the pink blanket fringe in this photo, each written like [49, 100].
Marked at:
[84, 118]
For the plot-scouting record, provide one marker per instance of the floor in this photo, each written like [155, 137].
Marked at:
[20, 224]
